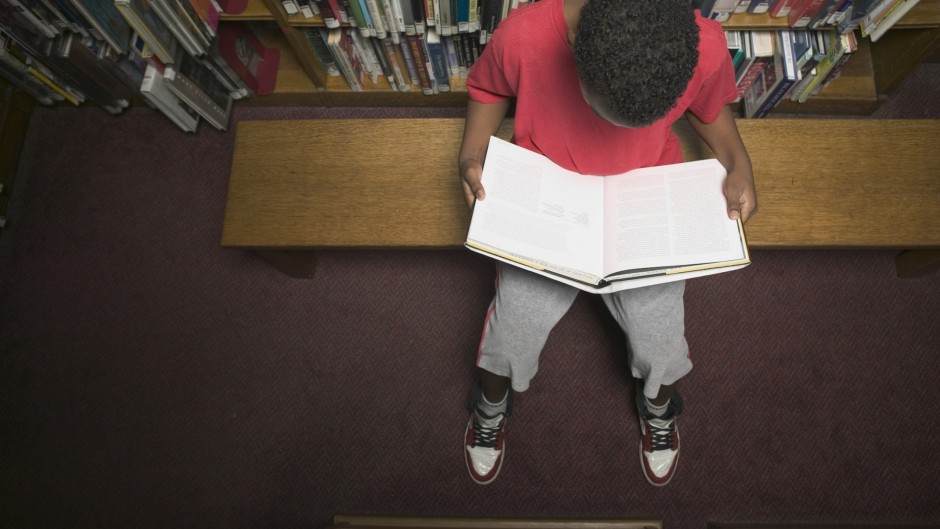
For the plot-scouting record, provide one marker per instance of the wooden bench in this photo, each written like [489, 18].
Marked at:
[306, 185]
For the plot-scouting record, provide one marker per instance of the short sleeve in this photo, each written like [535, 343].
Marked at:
[719, 86]
[487, 81]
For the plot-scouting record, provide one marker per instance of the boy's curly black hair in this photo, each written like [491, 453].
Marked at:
[636, 56]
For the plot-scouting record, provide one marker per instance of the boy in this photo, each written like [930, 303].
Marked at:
[597, 85]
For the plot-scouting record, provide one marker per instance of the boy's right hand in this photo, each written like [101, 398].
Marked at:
[471, 174]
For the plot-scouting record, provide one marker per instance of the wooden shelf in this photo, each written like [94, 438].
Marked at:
[867, 78]
[925, 14]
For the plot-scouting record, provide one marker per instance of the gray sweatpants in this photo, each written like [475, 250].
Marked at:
[527, 306]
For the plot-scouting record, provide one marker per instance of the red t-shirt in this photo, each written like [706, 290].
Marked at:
[528, 58]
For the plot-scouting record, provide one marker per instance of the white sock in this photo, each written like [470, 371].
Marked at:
[658, 411]
[490, 409]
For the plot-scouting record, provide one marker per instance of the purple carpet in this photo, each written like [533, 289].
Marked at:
[151, 379]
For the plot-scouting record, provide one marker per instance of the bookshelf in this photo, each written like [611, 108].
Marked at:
[15, 111]
[871, 74]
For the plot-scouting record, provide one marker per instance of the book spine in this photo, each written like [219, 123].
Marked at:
[422, 64]
[404, 47]
[438, 60]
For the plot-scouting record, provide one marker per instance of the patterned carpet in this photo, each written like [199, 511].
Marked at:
[150, 378]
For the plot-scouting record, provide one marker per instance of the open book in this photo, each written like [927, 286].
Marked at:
[603, 234]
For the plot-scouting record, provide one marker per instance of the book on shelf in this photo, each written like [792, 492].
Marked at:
[81, 66]
[330, 19]
[341, 47]
[823, 17]
[801, 13]
[758, 7]
[781, 8]
[339, 10]
[491, 13]
[854, 13]
[40, 20]
[875, 27]
[18, 74]
[247, 56]
[208, 12]
[378, 24]
[397, 63]
[432, 13]
[61, 17]
[758, 49]
[777, 77]
[422, 63]
[404, 51]
[417, 12]
[180, 23]
[438, 59]
[407, 17]
[196, 86]
[838, 51]
[603, 234]
[142, 16]
[155, 91]
[318, 45]
[106, 20]
[223, 71]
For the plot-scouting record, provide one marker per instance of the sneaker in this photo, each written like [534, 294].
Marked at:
[659, 445]
[485, 441]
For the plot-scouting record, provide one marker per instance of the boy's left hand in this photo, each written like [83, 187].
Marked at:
[741, 195]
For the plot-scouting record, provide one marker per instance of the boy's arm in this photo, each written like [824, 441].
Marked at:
[483, 120]
[723, 139]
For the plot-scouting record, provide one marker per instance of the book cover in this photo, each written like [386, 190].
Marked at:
[318, 44]
[340, 45]
[422, 64]
[196, 86]
[780, 74]
[177, 25]
[105, 18]
[397, 62]
[152, 29]
[438, 59]
[603, 234]
[404, 50]
[801, 14]
[877, 28]
[491, 14]
[35, 18]
[325, 9]
[760, 49]
[18, 73]
[83, 67]
[155, 92]
[781, 8]
[61, 20]
[417, 11]
[758, 7]
[256, 64]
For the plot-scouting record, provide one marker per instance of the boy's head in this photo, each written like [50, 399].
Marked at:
[635, 57]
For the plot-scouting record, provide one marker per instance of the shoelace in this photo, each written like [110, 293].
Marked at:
[484, 435]
[661, 433]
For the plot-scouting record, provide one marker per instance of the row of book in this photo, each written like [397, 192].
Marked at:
[794, 65]
[388, 18]
[428, 61]
[172, 53]
[872, 17]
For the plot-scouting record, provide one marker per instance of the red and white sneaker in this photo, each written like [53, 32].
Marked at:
[485, 441]
[659, 444]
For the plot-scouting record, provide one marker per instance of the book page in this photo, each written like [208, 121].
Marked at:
[669, 216]
[538, 212]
